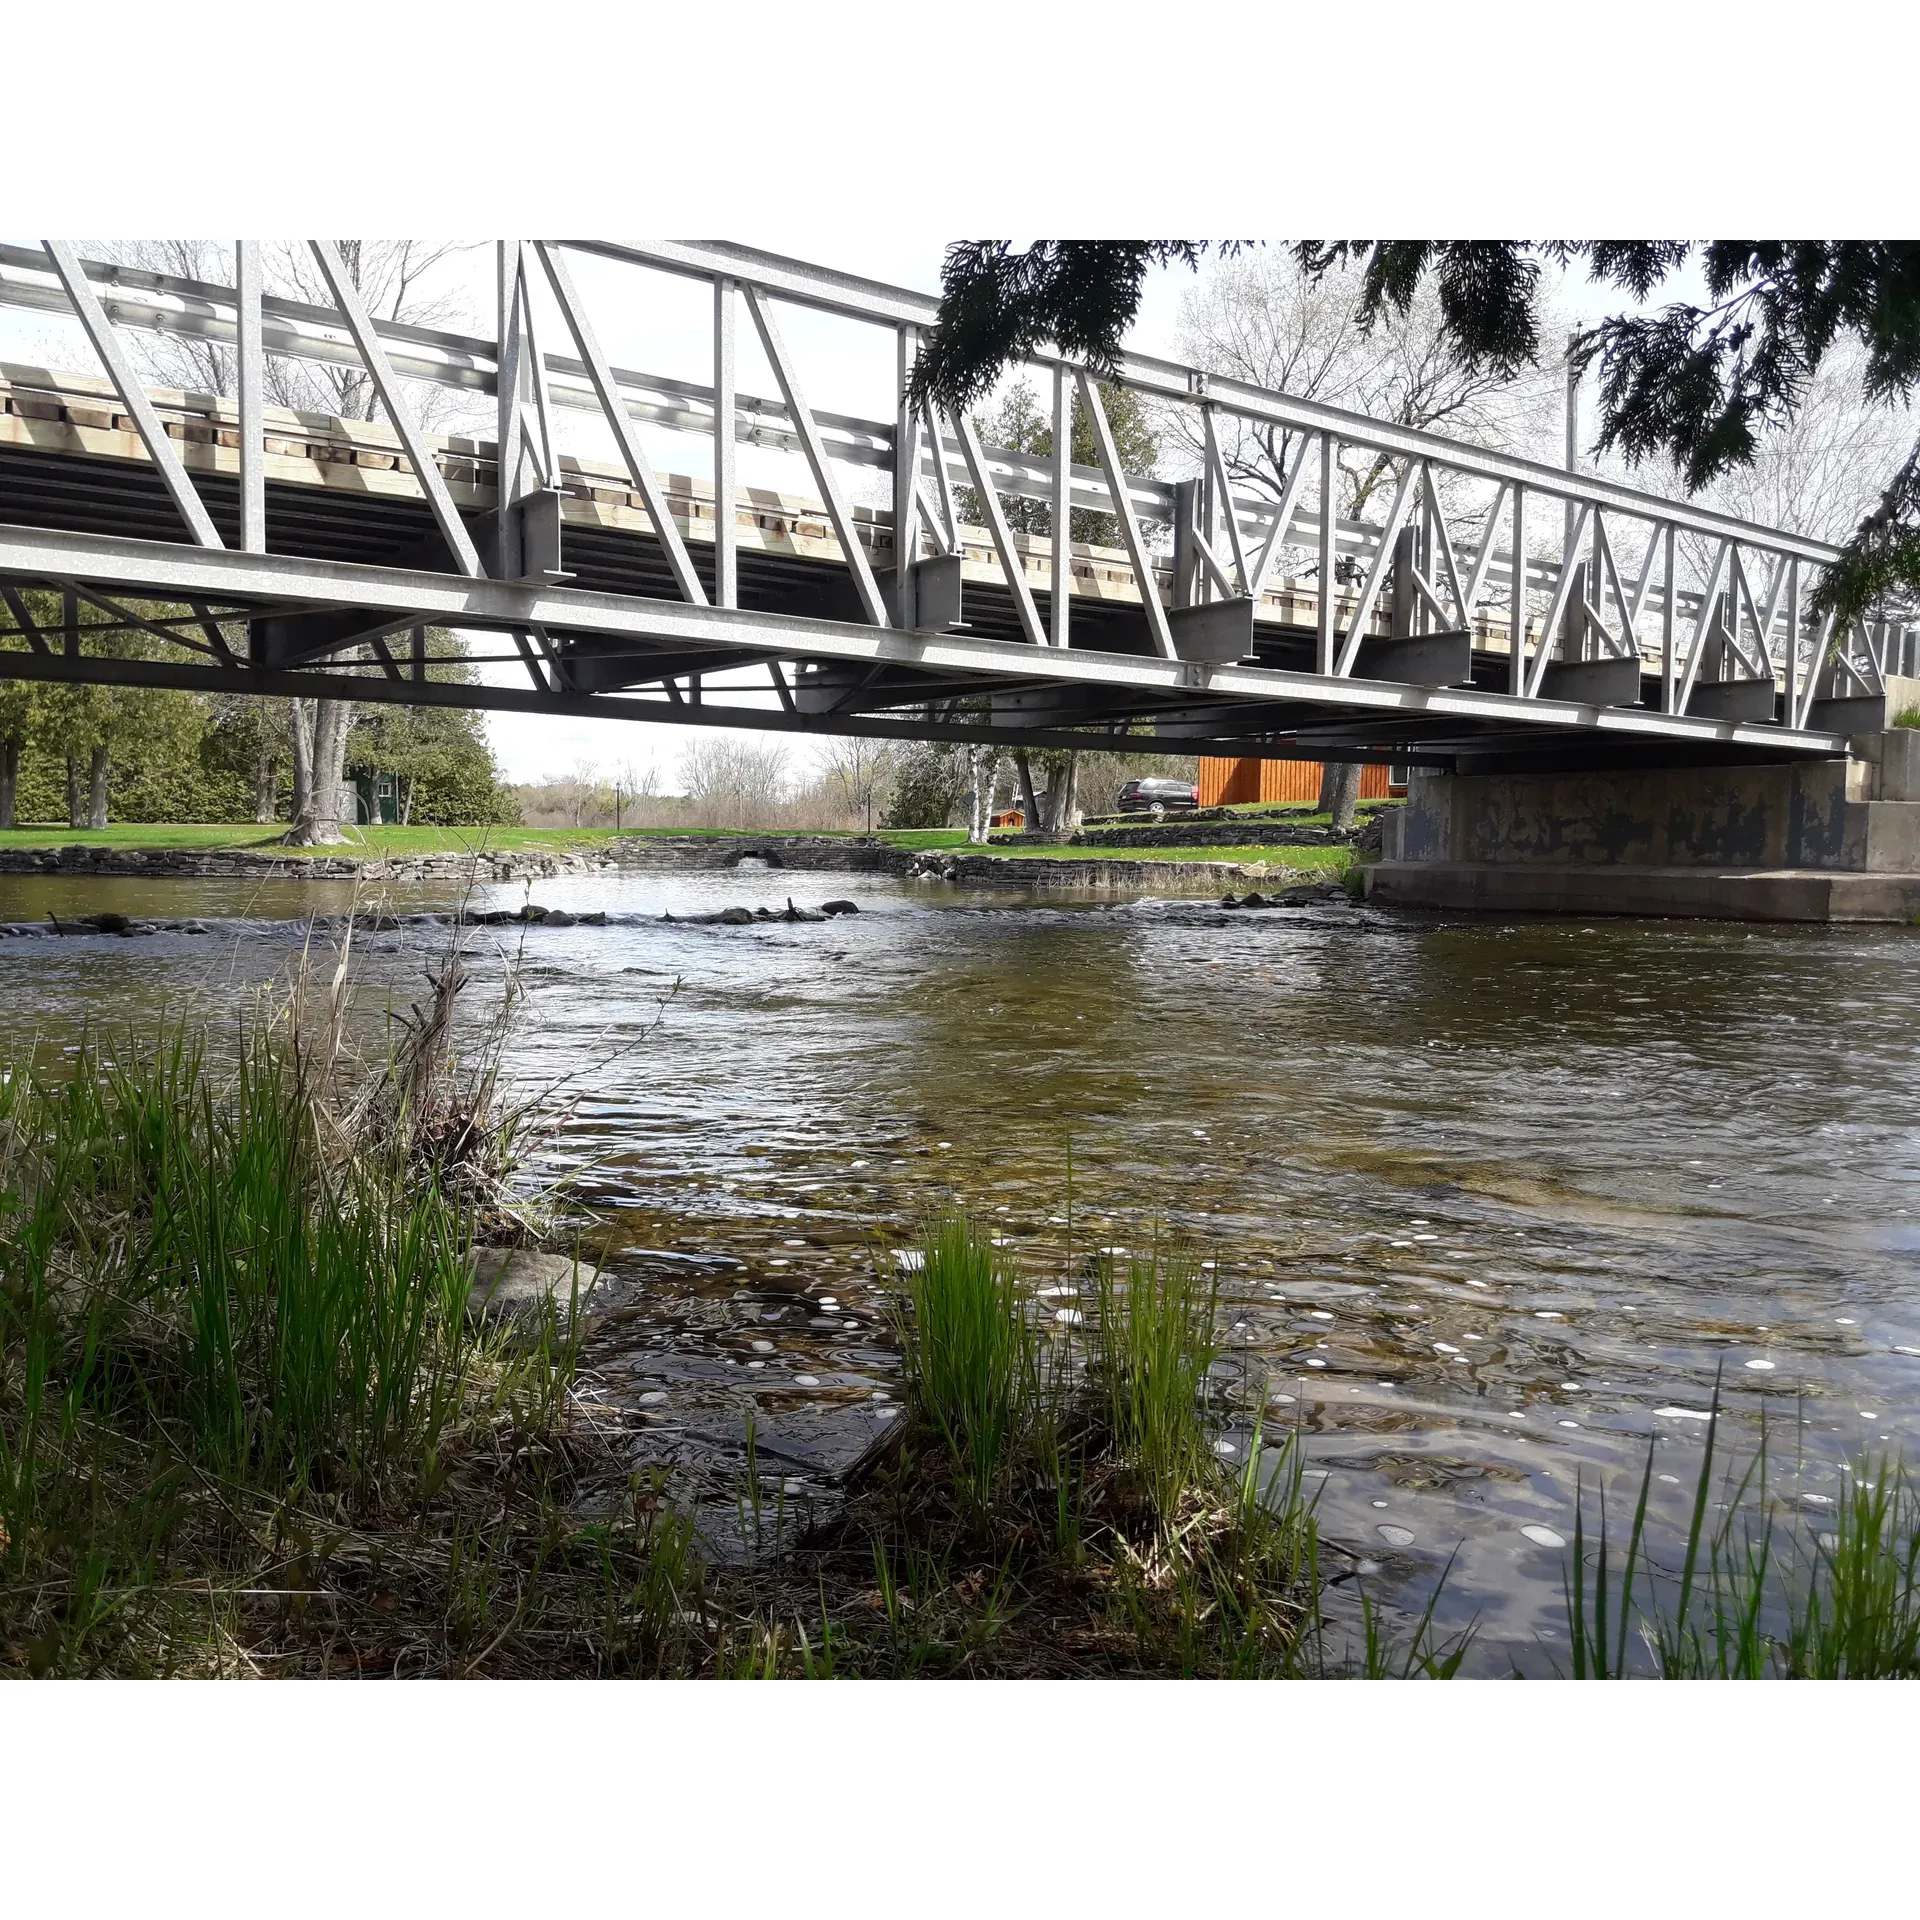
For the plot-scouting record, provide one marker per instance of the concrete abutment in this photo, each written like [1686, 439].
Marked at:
[1814, 840]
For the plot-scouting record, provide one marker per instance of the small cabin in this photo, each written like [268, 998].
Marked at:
[376, 799]
[1245, 781]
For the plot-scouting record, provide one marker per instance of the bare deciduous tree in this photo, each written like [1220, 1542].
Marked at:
[1260, 317]
[736, 783]
[856, 772]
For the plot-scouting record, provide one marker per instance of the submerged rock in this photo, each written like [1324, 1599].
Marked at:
[831, 908]
[115, 923]
[509, 1284]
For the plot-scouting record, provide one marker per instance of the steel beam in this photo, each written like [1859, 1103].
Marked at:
[837, 510]
[639, 468]
[873, 301]
[439, 599]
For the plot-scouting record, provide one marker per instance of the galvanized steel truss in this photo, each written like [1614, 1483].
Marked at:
[1440, 623]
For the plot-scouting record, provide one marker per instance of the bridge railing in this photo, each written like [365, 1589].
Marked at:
[1446, 541]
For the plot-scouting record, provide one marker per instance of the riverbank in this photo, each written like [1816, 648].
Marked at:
[443, 854]
[1483, 1200]
[354, 1457]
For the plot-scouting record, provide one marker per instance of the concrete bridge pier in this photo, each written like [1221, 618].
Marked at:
[1813, 840]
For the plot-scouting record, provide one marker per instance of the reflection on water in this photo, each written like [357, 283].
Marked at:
[1490, 1203]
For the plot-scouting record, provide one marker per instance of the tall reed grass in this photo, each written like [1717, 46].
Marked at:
[1761, 1592]
[232, 1310]
[1091, 1492]
[981, 1374]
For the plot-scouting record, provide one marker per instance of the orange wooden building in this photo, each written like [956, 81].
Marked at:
[1236, 782]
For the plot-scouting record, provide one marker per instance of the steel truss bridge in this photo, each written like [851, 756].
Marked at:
[1482, 610]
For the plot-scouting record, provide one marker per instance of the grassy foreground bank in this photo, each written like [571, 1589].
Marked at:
[248, 1426]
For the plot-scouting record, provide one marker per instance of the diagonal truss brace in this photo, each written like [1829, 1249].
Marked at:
[426, 469]
[133, 396]
[803, 423]
[639, 468]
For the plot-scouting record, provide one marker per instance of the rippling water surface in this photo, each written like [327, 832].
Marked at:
[1490, 1202]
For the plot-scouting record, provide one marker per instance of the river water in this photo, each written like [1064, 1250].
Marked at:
[1490, 1203]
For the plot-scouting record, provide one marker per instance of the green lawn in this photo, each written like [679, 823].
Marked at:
[381, 840]
[1299, 859]
[413, 842]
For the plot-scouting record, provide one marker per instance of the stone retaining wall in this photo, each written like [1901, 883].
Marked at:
[690, 853]
[241, 864]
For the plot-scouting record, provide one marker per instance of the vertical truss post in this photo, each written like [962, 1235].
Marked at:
[1517, 619]
[1793, 640]
[1062, 507]
[1189, 510]
[726, 527]
[1669, 612]
[509, 384]
[1323, 639]
[252, 375]
[906, 479]
[1205, 524]
[1406, 608]
[535, 363]
[133, 396]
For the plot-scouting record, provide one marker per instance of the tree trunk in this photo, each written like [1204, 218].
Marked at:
[76, 801]
[406, 806]
[266, 787]
[985, 767]
[1059, 809]
[1029, 803]
[1339, 792]
[97, 784]
[301, 725]
[342, 718]
[9, 780]
[318, 824]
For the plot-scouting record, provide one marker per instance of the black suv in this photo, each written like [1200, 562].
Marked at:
[1142, 796]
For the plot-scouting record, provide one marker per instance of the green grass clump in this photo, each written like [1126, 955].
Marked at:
[1051, 1502]
[1152, 1349]
[976, 1363]
[246, 1423]
[1754, 1598]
